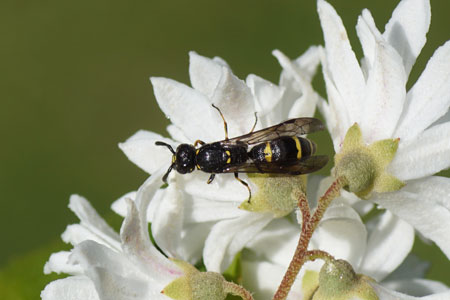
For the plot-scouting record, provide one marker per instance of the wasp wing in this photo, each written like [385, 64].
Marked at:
[293, 127]
[307, 165]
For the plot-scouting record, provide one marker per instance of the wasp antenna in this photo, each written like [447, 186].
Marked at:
[167, 173]
[166, 145]
[225, 126]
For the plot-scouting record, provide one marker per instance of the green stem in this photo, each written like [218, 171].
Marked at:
[237, 290]
[309, 224]
[312, 255]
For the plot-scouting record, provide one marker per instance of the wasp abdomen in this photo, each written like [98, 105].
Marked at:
[283, 149]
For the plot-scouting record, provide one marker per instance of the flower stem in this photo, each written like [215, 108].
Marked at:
[309, 224]
[237, 290]
[312, 255]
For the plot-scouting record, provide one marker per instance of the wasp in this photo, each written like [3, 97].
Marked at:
[278, 149]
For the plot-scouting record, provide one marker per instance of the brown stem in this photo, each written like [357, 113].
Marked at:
[333, 192]
[304, 208]
[309, 224]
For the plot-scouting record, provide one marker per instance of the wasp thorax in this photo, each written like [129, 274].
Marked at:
[185, 158]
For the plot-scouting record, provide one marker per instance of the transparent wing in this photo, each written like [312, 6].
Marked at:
[291, 127]
[307, 165]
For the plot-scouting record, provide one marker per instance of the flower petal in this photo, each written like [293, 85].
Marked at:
[425, 204]
[224, 187]
[444, 119]
[387, 294]
[316, 187]
[406, 30]
[138, 248]
[429, 98]
[388, 245]
[425, 155]
[91, 226]
[267, 98]
[114, 276]
[76, 233]
[188, 109]
[199, 210]
[204, 73]
[412, 267]
[193, 237]
[234, 98]
[276, 243]
[120, 205]
[140, 148]
[335, 112]
[366, 39]
[342, 234]
[70, 288]
[144, 195]
[90, 254]
[168, 221]
[118, 287]
[342, 63]
[417, 287]
[385, 93]
[228, 237]
[177, 134]
[300, 98]
[363, 207]
[308, 62]
[263, 278]
[59, 263]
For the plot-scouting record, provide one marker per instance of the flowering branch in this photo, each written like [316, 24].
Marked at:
[309, 224]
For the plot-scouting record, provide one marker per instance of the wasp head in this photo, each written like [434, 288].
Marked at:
[183, 160]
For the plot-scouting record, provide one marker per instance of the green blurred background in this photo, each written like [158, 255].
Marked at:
[74, 83]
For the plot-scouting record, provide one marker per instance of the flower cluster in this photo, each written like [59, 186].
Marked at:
[389, 144]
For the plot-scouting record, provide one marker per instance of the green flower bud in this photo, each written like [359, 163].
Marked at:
[196, 285]
[359, 170]
[364, 166]
[338, 281]
[337, 277]
[278, 194]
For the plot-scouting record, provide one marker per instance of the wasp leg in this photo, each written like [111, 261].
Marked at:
[256, 121]
[225, 126]
[211, 178]
[199, 142]
[236, 175]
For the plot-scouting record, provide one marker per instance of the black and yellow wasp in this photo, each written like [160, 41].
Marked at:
[278, 149]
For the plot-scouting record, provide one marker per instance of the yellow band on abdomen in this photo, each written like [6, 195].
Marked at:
[298, 146]
[268, 152]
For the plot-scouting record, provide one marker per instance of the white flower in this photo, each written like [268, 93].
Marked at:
[374, 95]
[105, 265]
[191, 219]
[377, 249]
